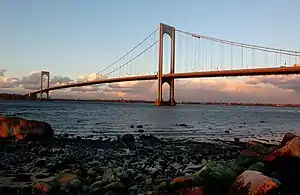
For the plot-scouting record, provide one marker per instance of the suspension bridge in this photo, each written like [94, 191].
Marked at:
[192, 55]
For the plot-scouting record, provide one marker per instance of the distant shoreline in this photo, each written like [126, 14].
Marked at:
[21, 97]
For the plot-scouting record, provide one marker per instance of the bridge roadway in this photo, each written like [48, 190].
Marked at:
[218, 73]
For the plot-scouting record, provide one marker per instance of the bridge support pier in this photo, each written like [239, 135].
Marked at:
[165, 29]
[47, 74]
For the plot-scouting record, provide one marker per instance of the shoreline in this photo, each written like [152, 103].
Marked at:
[152, 102]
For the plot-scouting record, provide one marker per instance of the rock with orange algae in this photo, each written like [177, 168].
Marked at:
[286, 138]
[291, 149]
[25, 129]
[65, 178]
[42, 188]
[285, 163]
[253, 183]
[181, 182]
[190, 191]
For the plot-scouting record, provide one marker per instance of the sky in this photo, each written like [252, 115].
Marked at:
[75, 39]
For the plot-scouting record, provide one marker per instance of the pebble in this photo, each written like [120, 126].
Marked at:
[106, 165]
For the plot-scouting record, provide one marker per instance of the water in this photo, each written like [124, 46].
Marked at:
[203, 121]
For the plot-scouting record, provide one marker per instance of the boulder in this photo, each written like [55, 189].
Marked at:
[127, 140]
[19, 128]
[291, 149]
[247, 158]
[260, 167]
[260, 148]
[285, 163]
[287, 137]
[215, 174]
[254, 183]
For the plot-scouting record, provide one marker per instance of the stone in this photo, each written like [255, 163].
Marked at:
[181, 182]
[291, 149]
[92, 172]
[259, 148]
[75, 183]
[287, 137]
[79, 172]
[65, 178]
[163, 186]
[236, 139]
[20, 128]
[42, 188]
[14, 185]
[191, 166]
[115, 187]
[259, 166]
[285, 162]
[190, 191]
[247, 158]
[254, 183]
[127, 139]
[148, 181]
[139, 126]
[216, 174]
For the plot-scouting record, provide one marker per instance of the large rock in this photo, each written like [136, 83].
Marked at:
[127, 140]
[19, 128]
[291, 149]
[287, 137]
[254, 183]
[215, 174]
[285, 163]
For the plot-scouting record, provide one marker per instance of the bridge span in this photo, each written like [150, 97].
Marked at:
[283, 62]
[206, 74]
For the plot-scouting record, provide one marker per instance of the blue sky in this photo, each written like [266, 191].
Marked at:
[72, 38]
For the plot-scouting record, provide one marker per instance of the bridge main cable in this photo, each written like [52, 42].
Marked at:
[122, 57]
[132, 58]
[250, 46]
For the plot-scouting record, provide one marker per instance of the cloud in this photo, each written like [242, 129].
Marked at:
[60, 80]
[274, 89]
[2, 72]
[291, 82]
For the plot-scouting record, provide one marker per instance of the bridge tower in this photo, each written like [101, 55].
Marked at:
[165, 29]
[47, 74]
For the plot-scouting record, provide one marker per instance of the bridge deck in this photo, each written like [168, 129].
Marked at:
[219, 73]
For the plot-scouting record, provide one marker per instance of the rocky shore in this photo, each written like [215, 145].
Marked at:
[137, 164]
[32, 161]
